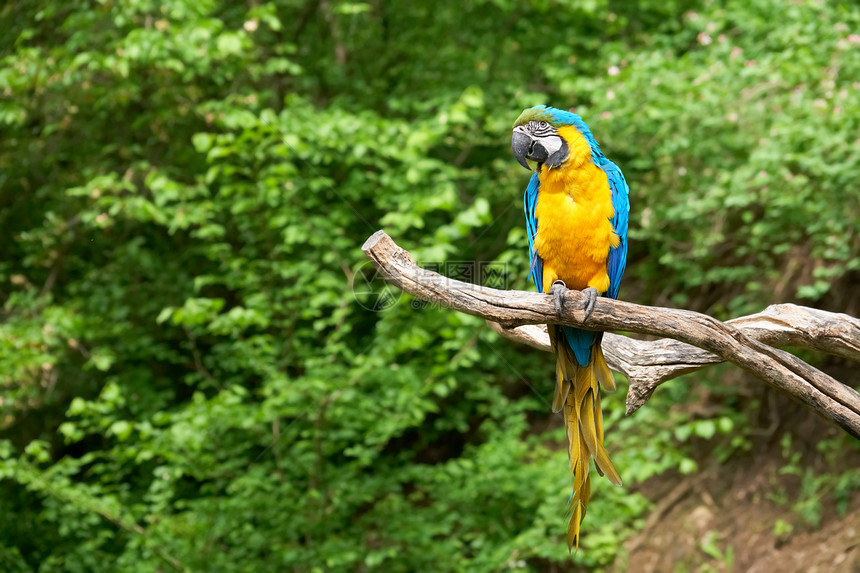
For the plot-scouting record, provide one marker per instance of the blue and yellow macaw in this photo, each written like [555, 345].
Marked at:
[576, 208]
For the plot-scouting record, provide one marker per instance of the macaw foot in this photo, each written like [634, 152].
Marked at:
[557, 291]
[590, 300]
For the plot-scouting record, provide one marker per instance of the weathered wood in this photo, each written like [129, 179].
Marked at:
[647, 364]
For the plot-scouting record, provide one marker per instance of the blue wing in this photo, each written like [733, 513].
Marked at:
[529, 203]
[621, 202]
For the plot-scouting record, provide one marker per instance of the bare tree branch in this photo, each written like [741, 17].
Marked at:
[743, 342]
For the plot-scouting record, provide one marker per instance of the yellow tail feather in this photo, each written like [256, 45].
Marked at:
[562, 387]
[604, 374]
[577, 395]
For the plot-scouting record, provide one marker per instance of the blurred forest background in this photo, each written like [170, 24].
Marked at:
[190, 382]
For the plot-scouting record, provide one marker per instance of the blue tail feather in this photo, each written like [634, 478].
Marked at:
[581, 342]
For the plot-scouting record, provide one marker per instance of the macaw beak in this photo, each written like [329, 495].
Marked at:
[524, 147]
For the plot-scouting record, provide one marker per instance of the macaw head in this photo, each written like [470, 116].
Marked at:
[551, 136]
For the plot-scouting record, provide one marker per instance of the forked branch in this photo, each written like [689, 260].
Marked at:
[697, 339]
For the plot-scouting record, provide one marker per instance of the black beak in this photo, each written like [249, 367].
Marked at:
[524, 147]
[521, 144]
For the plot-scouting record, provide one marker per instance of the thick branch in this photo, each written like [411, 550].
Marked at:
[831, 399]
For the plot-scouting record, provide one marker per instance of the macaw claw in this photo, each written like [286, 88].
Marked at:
[590, 301]
[557, 291]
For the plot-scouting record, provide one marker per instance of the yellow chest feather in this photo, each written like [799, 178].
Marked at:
[574, 233]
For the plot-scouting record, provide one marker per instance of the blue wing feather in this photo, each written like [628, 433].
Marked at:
[530, 203]
[621, 203]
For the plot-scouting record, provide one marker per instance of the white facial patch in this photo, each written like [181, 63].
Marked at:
[551, 143]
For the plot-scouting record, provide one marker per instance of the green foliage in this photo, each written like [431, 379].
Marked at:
[189, 382]
[816, 484]
[710, 546]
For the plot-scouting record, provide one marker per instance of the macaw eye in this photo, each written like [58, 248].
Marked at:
[543, 124]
